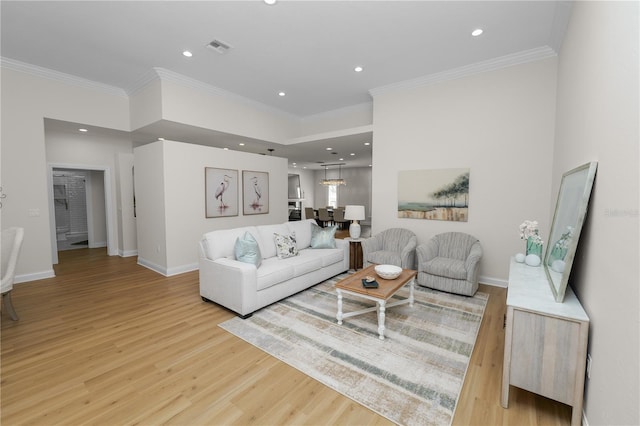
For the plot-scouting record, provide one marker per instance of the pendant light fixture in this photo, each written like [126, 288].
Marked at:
[333, 181]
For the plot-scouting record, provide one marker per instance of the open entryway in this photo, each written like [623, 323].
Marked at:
[79, 208]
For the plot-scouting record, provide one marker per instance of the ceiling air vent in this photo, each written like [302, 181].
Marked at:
[219, 46]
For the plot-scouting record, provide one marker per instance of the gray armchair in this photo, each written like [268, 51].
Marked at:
[395, 246]
[450, 262]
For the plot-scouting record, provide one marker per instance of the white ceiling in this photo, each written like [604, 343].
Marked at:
[307, 49]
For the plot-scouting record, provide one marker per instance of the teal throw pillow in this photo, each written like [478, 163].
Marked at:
[322, 238]
[247, 250]
[286, 245]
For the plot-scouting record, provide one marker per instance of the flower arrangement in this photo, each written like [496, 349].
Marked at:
[529, 231]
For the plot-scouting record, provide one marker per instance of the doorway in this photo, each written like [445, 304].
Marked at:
[72, 202]
[80, 209]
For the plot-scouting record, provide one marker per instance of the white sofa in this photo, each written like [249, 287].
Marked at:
[243, 288]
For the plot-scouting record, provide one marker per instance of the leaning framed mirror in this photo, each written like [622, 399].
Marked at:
[568, 218]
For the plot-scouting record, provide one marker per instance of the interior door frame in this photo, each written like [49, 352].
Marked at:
[108, 202]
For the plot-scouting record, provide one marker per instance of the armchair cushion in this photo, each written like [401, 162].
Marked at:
[383, 257]
[443, 267]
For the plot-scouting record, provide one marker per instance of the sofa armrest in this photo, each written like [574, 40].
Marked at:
[473, 262]
[230, 283]
[344, 246]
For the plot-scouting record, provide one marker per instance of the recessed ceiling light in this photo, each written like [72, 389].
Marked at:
[328, 149]
[352, 154]
[187, 54]
[241, 144]
[281, 94]
[477, 32]
[367, 143]
[226, 149]
[83, 130]
[270, 2]
[342, 159]
[358, 69]
[160, 139]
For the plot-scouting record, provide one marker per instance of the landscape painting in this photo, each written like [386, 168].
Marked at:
[221, 192]
[440, 194]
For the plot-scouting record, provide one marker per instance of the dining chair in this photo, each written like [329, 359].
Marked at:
[324, 217]
[338, 217]
[11, 244]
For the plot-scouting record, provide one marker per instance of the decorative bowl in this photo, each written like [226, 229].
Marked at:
[388, 272]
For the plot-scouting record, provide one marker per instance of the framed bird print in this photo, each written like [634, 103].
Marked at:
[255, 192]
[221, 192]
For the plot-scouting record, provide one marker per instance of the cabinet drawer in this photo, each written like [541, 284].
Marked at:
[543, 355]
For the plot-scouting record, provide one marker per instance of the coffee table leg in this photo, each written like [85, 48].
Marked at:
[381, 318]
[411, 286]
[339, 316]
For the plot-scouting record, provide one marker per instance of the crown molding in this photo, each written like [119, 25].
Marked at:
[468, 70]
[23, 67]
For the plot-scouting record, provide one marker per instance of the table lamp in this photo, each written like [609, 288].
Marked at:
[354, 213]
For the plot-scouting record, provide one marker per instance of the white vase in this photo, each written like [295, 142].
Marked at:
[354, 230]
[532, 260]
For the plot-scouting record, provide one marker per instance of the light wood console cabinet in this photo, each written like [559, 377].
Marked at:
[545, 348]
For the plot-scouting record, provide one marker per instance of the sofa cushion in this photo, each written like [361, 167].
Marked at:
[323, 238]
[302, 228]
[266, 239]
[330, 256]
[443, 267]
[247, 250]
[273, 271]
[221, 243]
[305, 262]
[286, 246]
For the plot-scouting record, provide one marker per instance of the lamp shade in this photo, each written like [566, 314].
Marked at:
[354, 212]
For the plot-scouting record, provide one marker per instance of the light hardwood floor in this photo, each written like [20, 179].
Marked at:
[108, 342]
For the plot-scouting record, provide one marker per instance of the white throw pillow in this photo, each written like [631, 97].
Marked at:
[286, 245]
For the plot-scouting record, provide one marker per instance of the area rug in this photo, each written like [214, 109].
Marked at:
[413, 377]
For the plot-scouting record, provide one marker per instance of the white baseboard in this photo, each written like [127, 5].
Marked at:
[98, 244]
[584, 419]
[127, 253]
[182, 269]
[494, 282]
[154, 267]
[167, 272]
[34, 276]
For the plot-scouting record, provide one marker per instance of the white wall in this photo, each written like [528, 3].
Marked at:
[170, 196]
[307, 185]
[597, 120]
[500, 125]
[26, 100]
[199, 106]
[127, 234]
[344, 118]
[97, 222]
